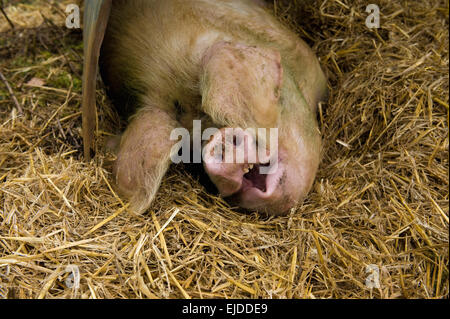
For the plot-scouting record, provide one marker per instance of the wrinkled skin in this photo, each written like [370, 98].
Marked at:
[227, 63]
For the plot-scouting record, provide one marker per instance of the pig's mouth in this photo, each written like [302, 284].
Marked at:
[261, 185]
[258, 186]
[254, 179]
[254, 183]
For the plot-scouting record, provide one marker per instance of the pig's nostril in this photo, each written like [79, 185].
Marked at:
[223, 152]
[237, 140]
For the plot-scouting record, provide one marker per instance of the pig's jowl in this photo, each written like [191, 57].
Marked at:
[228, 63]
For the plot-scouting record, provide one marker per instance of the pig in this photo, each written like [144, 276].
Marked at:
[228, 63]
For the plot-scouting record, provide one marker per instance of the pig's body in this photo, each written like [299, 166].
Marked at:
[228, 63]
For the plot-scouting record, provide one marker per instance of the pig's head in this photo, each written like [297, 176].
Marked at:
[246, 90]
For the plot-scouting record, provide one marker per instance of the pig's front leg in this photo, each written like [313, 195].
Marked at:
[144, 156]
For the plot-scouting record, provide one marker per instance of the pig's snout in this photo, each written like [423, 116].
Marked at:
[239, 170]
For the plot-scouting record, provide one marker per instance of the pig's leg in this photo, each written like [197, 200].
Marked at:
[144, 156]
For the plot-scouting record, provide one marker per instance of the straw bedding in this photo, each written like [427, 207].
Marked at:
[375, 224]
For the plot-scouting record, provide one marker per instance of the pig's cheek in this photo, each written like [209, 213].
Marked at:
[296, 185]
[285, 197]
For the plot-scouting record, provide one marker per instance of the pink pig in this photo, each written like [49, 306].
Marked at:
[230, 64]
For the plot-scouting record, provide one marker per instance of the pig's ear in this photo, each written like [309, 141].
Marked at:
[96, 14]
[241, 84]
